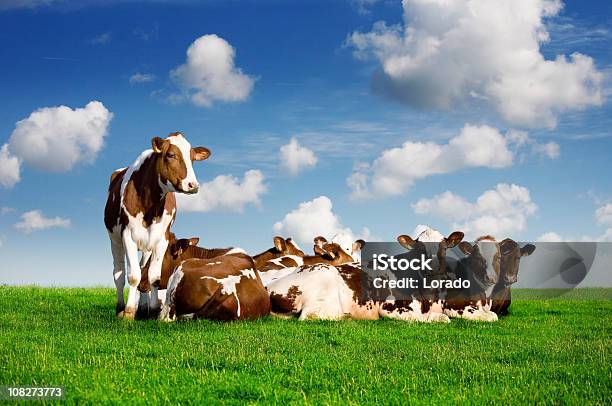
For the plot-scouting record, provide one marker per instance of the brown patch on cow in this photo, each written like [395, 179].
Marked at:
[200, 290]
[285, 303]
[112, 209]
[143, 194]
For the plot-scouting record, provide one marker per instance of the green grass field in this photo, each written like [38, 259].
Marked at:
[547, 351]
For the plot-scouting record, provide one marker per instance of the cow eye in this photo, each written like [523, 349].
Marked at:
[171, 155]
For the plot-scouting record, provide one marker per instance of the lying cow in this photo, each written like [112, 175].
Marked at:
[324, 291]
[223, 288]
[481, 267]
[178, 251]
[429, 244]
[511, 255]
[140, 209]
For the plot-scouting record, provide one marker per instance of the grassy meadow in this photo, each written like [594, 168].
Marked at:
[557, 350]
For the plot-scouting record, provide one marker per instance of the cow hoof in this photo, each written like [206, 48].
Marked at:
[127, 314]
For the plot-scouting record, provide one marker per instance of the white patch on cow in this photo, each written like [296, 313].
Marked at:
[279, 261]
[229, 284]
[173, 283]
[477, 312]
[185, 147]
[272, 275]
[133, 168]
[213, 263]
[488, 249]
[236, 250]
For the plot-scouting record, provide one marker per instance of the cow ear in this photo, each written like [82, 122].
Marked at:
[358, 245]
[158, 144]
[279, 244]
[320, 241]
[194, 241]
[199, 153]
[466, 247]
[454, 239]
[406, 241]
[527, 250]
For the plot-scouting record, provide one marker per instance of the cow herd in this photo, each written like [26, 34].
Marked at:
[174, 278]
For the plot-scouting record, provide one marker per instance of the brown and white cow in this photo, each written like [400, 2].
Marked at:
[140, 209]
[511, 254]
[481, 267]
[178, 251]
[223, 288]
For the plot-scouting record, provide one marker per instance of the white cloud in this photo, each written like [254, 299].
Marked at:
[35, 221]
[55, 139]
[603, 215]
[314, 218]
[550, 150]
[484, 50]
[209, 74]
[6, 210]
[10, 168]
[141, 78]
[102, 39]
[396, 169]
[294, 157]
[501, 212]
[226, 193]
[550, 237]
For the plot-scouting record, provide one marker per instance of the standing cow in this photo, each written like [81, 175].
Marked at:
[140, 209]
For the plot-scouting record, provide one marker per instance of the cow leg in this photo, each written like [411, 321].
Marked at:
[155, 274]
[118, 272]
[134, 273]
[143, 304]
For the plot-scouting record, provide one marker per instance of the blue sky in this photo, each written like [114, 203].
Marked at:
[312, 80]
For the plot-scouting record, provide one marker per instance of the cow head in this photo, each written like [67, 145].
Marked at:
[345, 241]
[286, 246]
[427, 247]
[511, 255]
[175, 158]
[484, 259]
[333, 254]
